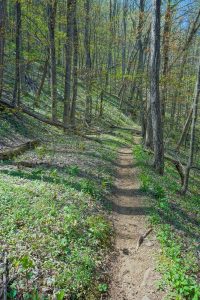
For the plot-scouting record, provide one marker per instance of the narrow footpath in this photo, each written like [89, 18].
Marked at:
[133, 274]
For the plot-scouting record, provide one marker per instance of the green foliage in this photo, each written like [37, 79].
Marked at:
[140, 155]
[178, 261]
[103, 287]
[51, 217]
[99, 228]
[41, 151]
[50, 221]
[177, 269]
[65, 237]
[73, 170]
[60, 295]
[89, 187]
[145, 182]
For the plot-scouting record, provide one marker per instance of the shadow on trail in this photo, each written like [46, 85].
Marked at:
[124, 166]
[128, 210]
[126, 192]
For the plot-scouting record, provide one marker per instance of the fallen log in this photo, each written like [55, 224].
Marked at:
[34, 164]
[45, 120]
[8, 154]
[32, 113]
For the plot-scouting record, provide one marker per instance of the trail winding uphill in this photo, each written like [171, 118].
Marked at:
[133, 274]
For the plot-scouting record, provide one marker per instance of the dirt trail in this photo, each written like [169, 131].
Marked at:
[133, 274]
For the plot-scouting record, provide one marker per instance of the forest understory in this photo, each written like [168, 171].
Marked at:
[74, 211]
[99, 150]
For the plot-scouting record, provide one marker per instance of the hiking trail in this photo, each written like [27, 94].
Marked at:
[133, 274]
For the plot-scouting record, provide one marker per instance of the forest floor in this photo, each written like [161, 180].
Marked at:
[58, 202]
[133, 274]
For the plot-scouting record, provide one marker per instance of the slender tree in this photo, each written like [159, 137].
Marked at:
[51, 10]
[124, 38]
[166, 49]
[75, 66]
[39, 90]
[18, 40]
[2, 41]
[154, 89]
[68, 51]
[140, 67]
[193, 132]
[88, 63]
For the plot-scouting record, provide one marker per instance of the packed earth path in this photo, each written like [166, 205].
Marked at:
[133, 274]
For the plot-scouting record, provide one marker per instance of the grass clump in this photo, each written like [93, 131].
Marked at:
[177, 228]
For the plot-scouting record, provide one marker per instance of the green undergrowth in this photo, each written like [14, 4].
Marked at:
[52, 222]
[53, 213]
[176, 220]
[52, 235]
[53, 216]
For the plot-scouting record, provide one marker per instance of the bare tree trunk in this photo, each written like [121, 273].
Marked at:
[75, 66]
[185, 129]
[45, 69]
[18, 26]
[52, 8]
[154, 90]
[110, 39]
[2, 41]
[194, 28]
[166, 47]
[124, 41]
[140, 68]
[193, 131]
[175, 98]
[68, 51]
[88, 107]
[101, 104]
[149, 130]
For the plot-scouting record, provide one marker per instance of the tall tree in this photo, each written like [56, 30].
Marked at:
[75, 66]
[166, 48]
[193, 132]
[44, 74]
[68, 51]
[2, 41]
[18, 40]
[88, 64]
[51, 10]
[124, 38]
[140, 68]
[154, 89]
